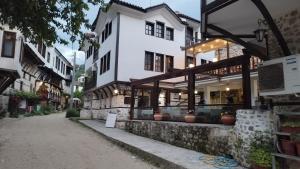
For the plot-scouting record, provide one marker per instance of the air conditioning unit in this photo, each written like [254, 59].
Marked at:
[279, 76]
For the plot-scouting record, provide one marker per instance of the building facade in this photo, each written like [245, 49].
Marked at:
[31, 66]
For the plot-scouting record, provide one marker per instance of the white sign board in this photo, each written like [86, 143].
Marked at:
[111, 120]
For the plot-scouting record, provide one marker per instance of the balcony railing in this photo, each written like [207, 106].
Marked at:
[210, 114]
[233, 70]
[191, 41]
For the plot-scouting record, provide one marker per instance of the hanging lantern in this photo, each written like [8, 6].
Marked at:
[260, 33]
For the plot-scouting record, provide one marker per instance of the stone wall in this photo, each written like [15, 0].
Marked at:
[247, 124]
[206, 138]
[289, 25]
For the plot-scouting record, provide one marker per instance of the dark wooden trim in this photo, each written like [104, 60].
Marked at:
[14, 35]
[246, 82]
[117, 47]
[132, 101]
[245, 36]
[217, 5]
[247, 45]
[155, 95]
[191, 92]
[197, 69]
[264, 11]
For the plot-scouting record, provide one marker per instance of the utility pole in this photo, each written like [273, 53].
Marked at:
[73, 80]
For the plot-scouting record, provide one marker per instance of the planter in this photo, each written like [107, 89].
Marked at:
[259, 167]
[158, 117]
[228, 119]
[290, 129]
[190, 118]
[298, 148]
[288, 147]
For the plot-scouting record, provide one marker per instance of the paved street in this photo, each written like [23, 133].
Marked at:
[53, 142]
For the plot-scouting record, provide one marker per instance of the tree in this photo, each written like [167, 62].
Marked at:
[40, 19]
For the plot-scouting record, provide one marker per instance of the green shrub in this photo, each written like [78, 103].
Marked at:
[72, 113]
[261, 149]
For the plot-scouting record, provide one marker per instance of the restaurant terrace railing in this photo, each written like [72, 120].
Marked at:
[208, 113]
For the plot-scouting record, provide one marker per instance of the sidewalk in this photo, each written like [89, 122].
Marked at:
[163, 154]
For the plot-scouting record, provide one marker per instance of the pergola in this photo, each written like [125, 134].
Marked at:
[243, 60]
[238, 20]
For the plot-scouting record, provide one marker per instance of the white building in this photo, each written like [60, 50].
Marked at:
[134, 43]
[25, 67]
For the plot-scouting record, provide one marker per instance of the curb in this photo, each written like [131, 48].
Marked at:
[149, 157]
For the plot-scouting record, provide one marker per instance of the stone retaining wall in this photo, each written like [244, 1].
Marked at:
[211, 139]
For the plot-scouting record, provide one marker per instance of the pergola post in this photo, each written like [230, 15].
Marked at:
[155, 95]
[191, 91]
[132, 101]
[246, 82]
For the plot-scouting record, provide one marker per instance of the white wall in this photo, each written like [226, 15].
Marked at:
[134, 42]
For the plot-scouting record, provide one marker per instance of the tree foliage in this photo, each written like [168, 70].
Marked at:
[40, 19]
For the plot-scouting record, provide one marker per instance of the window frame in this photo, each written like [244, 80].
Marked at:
[152, 25]
[159, 62]
[160, 33]
[167, 65]
[171, 36]
[149, 62]
[4, 40]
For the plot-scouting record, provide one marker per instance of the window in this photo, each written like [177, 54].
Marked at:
[169, 63]
[149, 57]
[44, 51]
[170, 34]
[189, 60]
[24, 75]
[103, 36]
[160, 29]
[149, 30]
[108, 61]
[58, 66]
[89, 52]
[127, 100]
[105, 63]
[62, 67]
[159, 63]
[8, 44]
[107, 31]
[203, 61]
[56, 62]
[109, 28]
[101, 66]
[48, 57]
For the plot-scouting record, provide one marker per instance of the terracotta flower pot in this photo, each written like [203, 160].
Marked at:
[298, 148]
[190, 118]
[288, 147]
[259, 167]
[158, 117]
[290, 129]
[228, 119]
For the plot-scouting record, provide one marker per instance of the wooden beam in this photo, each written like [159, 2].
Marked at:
[264, 11]
[245, 36]
[196, 70]
[191, 92]
[247, 45]
[132, 101]
[217, 5]
[246, 83]
[155, 95]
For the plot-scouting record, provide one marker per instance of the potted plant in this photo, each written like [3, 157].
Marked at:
[158, 116]
[296, 139]
[288, 147]
[190, 117]
[227, 118]
[291, 126]
[260, 151]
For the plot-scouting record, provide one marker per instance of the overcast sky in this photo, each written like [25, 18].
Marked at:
[187, 7]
